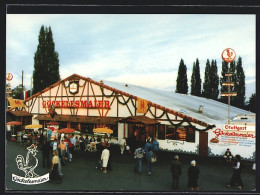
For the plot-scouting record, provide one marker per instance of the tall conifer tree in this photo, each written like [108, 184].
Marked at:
[53, 59]
[40, 57]
[195, 79]
[182, 81]
[239, 100]
[252, 103]
[206, 85]
[233, 78]
[214, 80]
[46, 62]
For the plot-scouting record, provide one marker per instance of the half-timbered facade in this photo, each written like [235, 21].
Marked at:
[182, 123]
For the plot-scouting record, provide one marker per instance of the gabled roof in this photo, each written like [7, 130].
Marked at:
[214, 112]
[181, 105]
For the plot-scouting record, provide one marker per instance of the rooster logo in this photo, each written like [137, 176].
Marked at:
[30, 163]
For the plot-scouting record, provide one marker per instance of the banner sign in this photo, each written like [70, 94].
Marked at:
[14, 103]
[141, 106]
[240, 135]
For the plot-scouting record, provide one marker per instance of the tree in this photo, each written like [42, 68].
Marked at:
[239, 100]
[17, 92]
[46, 61]
[206, 85]
[195, 79]
[182, 81]
[214, 80]
[252, 105]
[52, 60]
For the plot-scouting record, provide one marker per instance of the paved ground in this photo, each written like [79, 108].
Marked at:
[81, 175]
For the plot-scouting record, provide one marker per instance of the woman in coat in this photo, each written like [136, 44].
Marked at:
[105, 157]
[193, 175]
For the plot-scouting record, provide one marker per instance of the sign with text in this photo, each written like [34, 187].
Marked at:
[77, 104]
[240, 135]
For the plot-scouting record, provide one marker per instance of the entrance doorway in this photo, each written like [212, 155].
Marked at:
[203, 144]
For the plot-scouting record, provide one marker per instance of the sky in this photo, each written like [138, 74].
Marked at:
[139, 49]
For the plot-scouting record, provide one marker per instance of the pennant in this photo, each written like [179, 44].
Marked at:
[14, 103]
[141, 106]
[25, 95]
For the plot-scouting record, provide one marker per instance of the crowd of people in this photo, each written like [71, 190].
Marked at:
[59, 151]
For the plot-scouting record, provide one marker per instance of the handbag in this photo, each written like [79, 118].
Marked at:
[153, 159]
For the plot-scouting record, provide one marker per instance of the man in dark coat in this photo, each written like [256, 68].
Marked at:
[46, 149]
[176, 171]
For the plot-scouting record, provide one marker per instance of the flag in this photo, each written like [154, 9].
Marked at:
[141, 105]
[14, 103]
[25, 95]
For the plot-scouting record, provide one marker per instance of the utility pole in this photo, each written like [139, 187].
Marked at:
[22, 85]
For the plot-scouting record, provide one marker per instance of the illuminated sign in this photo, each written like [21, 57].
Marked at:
[228, 55]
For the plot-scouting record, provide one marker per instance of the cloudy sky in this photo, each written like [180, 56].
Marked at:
[140, 49]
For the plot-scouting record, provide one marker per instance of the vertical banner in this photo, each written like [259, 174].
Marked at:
[141, 105]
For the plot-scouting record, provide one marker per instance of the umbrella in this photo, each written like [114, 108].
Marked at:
[66, 130]
[53, 123]
[102, 130]
[14, 123]
[32, 126]
[77, 132]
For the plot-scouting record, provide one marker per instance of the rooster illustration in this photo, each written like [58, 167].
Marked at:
[30, 162]
[229, 53]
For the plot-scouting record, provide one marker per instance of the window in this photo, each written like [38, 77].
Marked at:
[181, 133]
[161, 132]
[190, 132]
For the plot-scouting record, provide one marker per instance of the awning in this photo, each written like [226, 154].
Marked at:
[103, 130]
[139, 120]
[80, 119]
[33, 126]
[20, 113]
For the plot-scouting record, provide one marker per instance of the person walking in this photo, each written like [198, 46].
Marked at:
[73, 142]
[149, 155]
[46, 149]
[122, 144]
[105, 157]
[155, 148]
[63, 149]
[236, 178]
[49, 132]
[175, 171]
[55, 176]
[193, 175]
[138, 155]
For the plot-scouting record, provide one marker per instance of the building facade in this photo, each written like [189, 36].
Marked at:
[181, 123]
